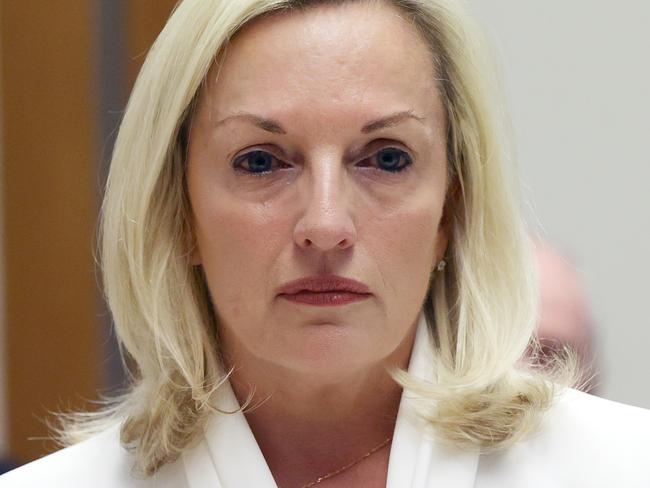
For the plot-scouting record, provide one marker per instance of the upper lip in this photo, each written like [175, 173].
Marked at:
[323, 283]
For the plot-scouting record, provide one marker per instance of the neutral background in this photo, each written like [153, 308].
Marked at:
[576, 74]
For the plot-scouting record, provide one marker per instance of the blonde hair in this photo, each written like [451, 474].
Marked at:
[481, 309]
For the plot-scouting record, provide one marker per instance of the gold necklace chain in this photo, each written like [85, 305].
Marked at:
[347, 466]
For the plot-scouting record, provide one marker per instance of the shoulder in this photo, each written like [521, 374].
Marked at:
[100, 461]
[615, 421]
[583, 440]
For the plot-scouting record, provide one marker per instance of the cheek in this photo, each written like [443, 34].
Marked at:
[404, 245]
[239, 243]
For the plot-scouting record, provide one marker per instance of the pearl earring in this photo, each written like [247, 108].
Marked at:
[442, 264]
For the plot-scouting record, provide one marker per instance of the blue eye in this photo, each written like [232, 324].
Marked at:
[258, 162]
[391, 159]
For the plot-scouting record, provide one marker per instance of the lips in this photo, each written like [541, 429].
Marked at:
[324, 284]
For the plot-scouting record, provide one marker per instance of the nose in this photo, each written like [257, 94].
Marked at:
[326, 222]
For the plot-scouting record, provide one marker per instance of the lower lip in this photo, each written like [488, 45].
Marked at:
[326, 298]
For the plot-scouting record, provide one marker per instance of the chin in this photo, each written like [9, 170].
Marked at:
[330, 350]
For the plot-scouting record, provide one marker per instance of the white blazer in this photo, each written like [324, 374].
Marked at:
[584, 441]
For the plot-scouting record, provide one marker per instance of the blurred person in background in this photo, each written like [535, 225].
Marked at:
[564, 316]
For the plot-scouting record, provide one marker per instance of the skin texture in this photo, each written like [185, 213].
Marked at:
[326, 206]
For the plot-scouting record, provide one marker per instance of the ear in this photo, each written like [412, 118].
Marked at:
[443, 233]
[195, 258]
[442, 237]
[446, 224]
[193, 247]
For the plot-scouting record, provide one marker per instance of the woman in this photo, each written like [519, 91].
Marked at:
[307, 198]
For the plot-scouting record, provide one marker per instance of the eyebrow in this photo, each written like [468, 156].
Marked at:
[273, 126]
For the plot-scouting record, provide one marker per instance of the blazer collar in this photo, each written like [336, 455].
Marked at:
[228, 455]
[417, 459]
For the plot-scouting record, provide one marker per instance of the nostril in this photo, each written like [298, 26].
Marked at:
[325, 236]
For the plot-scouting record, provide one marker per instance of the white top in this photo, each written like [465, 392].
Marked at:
[584, 441]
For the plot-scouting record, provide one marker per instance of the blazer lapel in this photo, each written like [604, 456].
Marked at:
[228, 456]
[417, 459]
[200, 471]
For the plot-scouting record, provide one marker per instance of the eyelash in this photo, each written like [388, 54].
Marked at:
[401, 169]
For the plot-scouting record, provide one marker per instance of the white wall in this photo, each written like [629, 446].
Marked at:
[577, 74]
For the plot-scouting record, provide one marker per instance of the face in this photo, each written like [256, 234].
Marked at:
[318, 148]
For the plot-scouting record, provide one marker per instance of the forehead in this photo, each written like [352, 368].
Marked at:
[353, 56]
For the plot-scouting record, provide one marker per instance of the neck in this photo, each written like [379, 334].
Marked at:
[306, 428]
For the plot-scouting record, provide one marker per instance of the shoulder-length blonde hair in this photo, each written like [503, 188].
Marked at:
[481, 309]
